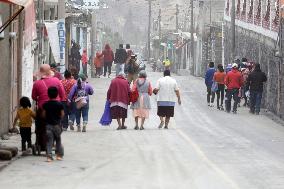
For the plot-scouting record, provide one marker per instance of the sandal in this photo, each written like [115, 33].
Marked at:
[136, 128]
[161, 125]
[123, 127]
[141, 128]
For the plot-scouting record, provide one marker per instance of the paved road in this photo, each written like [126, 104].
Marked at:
[203, 149]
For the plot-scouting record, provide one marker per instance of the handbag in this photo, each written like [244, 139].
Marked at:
[134, 95]
[214, 87]
[81, 102]
[106, 117]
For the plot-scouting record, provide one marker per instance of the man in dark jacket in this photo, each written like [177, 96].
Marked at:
[120, 59]
[208, 82]
[255, 85]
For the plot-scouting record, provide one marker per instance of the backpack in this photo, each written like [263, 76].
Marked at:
[81, 98]
[132, 67]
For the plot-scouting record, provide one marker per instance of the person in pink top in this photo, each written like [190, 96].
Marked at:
[40, 95]
[40, 87]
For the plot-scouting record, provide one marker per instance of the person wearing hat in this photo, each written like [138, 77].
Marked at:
[57, 74]
[47, 79]
[132, 69]
[40, 95]
[233, 81]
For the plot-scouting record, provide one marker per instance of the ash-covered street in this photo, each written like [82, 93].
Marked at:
[204, 148]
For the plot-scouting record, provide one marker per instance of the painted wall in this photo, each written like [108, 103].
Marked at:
[5, 74]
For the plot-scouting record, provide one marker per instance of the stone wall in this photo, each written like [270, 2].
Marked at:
[259, 48]
[5, 74]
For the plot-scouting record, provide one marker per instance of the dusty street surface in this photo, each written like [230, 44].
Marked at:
[203, 149]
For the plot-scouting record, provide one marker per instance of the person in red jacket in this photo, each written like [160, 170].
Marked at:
[108, 59]
[118, 95]
[233, 81]
[84, 60]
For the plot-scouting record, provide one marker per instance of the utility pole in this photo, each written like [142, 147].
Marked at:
[233, 32]
[177, 12]
[160, 31]
[149, 28]
[93, 43]
[192, 40]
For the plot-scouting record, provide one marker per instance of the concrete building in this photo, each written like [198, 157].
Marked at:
[17, 55]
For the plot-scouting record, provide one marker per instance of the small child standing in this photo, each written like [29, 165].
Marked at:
[53, 112]
[25, 116]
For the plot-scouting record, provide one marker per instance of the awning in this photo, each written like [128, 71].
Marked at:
[30, 25]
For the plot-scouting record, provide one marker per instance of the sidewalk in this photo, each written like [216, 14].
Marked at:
[13, 141]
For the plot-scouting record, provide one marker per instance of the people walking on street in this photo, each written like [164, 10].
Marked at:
[118, 95]
[57, 74]
[98, 61]
[79, 94]
[245, 73]
[40, 95]
[84, 60]
[75, 58]
[120, 59]
[132, 69]
[233, 81]
[25, 116]
[53, 112]
[167, 63]
[142, 106]
[166, 90]
[69, 107]
[255, 83]
[209, 82]
[108, 59]
[219, 78]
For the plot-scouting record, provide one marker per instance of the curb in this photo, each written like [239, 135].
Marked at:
[6, 163]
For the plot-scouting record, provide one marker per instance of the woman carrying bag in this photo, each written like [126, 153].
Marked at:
[142, 106]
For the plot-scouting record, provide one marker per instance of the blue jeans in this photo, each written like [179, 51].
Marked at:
[232, 93]
[84, 112]
[53, 133]
[255, 101]
[119, 67]
[69, 114]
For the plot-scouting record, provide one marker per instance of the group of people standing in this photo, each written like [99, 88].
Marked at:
[240, 80]
[120, 95]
